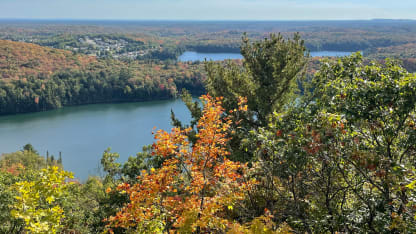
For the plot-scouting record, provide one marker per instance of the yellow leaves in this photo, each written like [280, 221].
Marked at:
[411, 185]
[260, 225]
[243, 108]
[50, 199]
[242, 101]
[48, 185]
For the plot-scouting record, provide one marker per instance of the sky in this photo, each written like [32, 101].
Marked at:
[208, 9]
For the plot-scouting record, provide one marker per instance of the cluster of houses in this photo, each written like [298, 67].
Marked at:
[99, 47]
[104, 47]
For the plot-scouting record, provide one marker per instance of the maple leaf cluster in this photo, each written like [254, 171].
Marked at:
[196, 186]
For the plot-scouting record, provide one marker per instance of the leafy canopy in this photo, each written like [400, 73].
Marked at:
[38, 200]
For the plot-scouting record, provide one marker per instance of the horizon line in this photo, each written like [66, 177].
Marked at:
[203, 20]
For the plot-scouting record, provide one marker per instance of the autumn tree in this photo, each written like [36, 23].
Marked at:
[38, 201]
[16, 167]
[197, 186]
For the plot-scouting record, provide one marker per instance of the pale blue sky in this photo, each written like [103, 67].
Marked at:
[208, 9]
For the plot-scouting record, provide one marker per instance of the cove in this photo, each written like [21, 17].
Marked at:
[82, 133]
[192, 56]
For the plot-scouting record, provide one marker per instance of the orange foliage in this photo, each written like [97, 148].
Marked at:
[19, 60]
[14, 169]
[196, 186]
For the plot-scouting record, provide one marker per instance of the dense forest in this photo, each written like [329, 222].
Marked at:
[259, 156]
[36, 78]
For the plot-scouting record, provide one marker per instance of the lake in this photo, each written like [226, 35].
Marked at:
[82, 133]
[196, 56]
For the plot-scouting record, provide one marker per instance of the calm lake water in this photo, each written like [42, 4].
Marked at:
[82, 133]
[196, 56]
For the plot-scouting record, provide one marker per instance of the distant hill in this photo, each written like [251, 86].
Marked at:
[22, 60]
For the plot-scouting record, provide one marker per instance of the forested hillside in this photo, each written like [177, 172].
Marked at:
[36, 78]
[22, 60]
